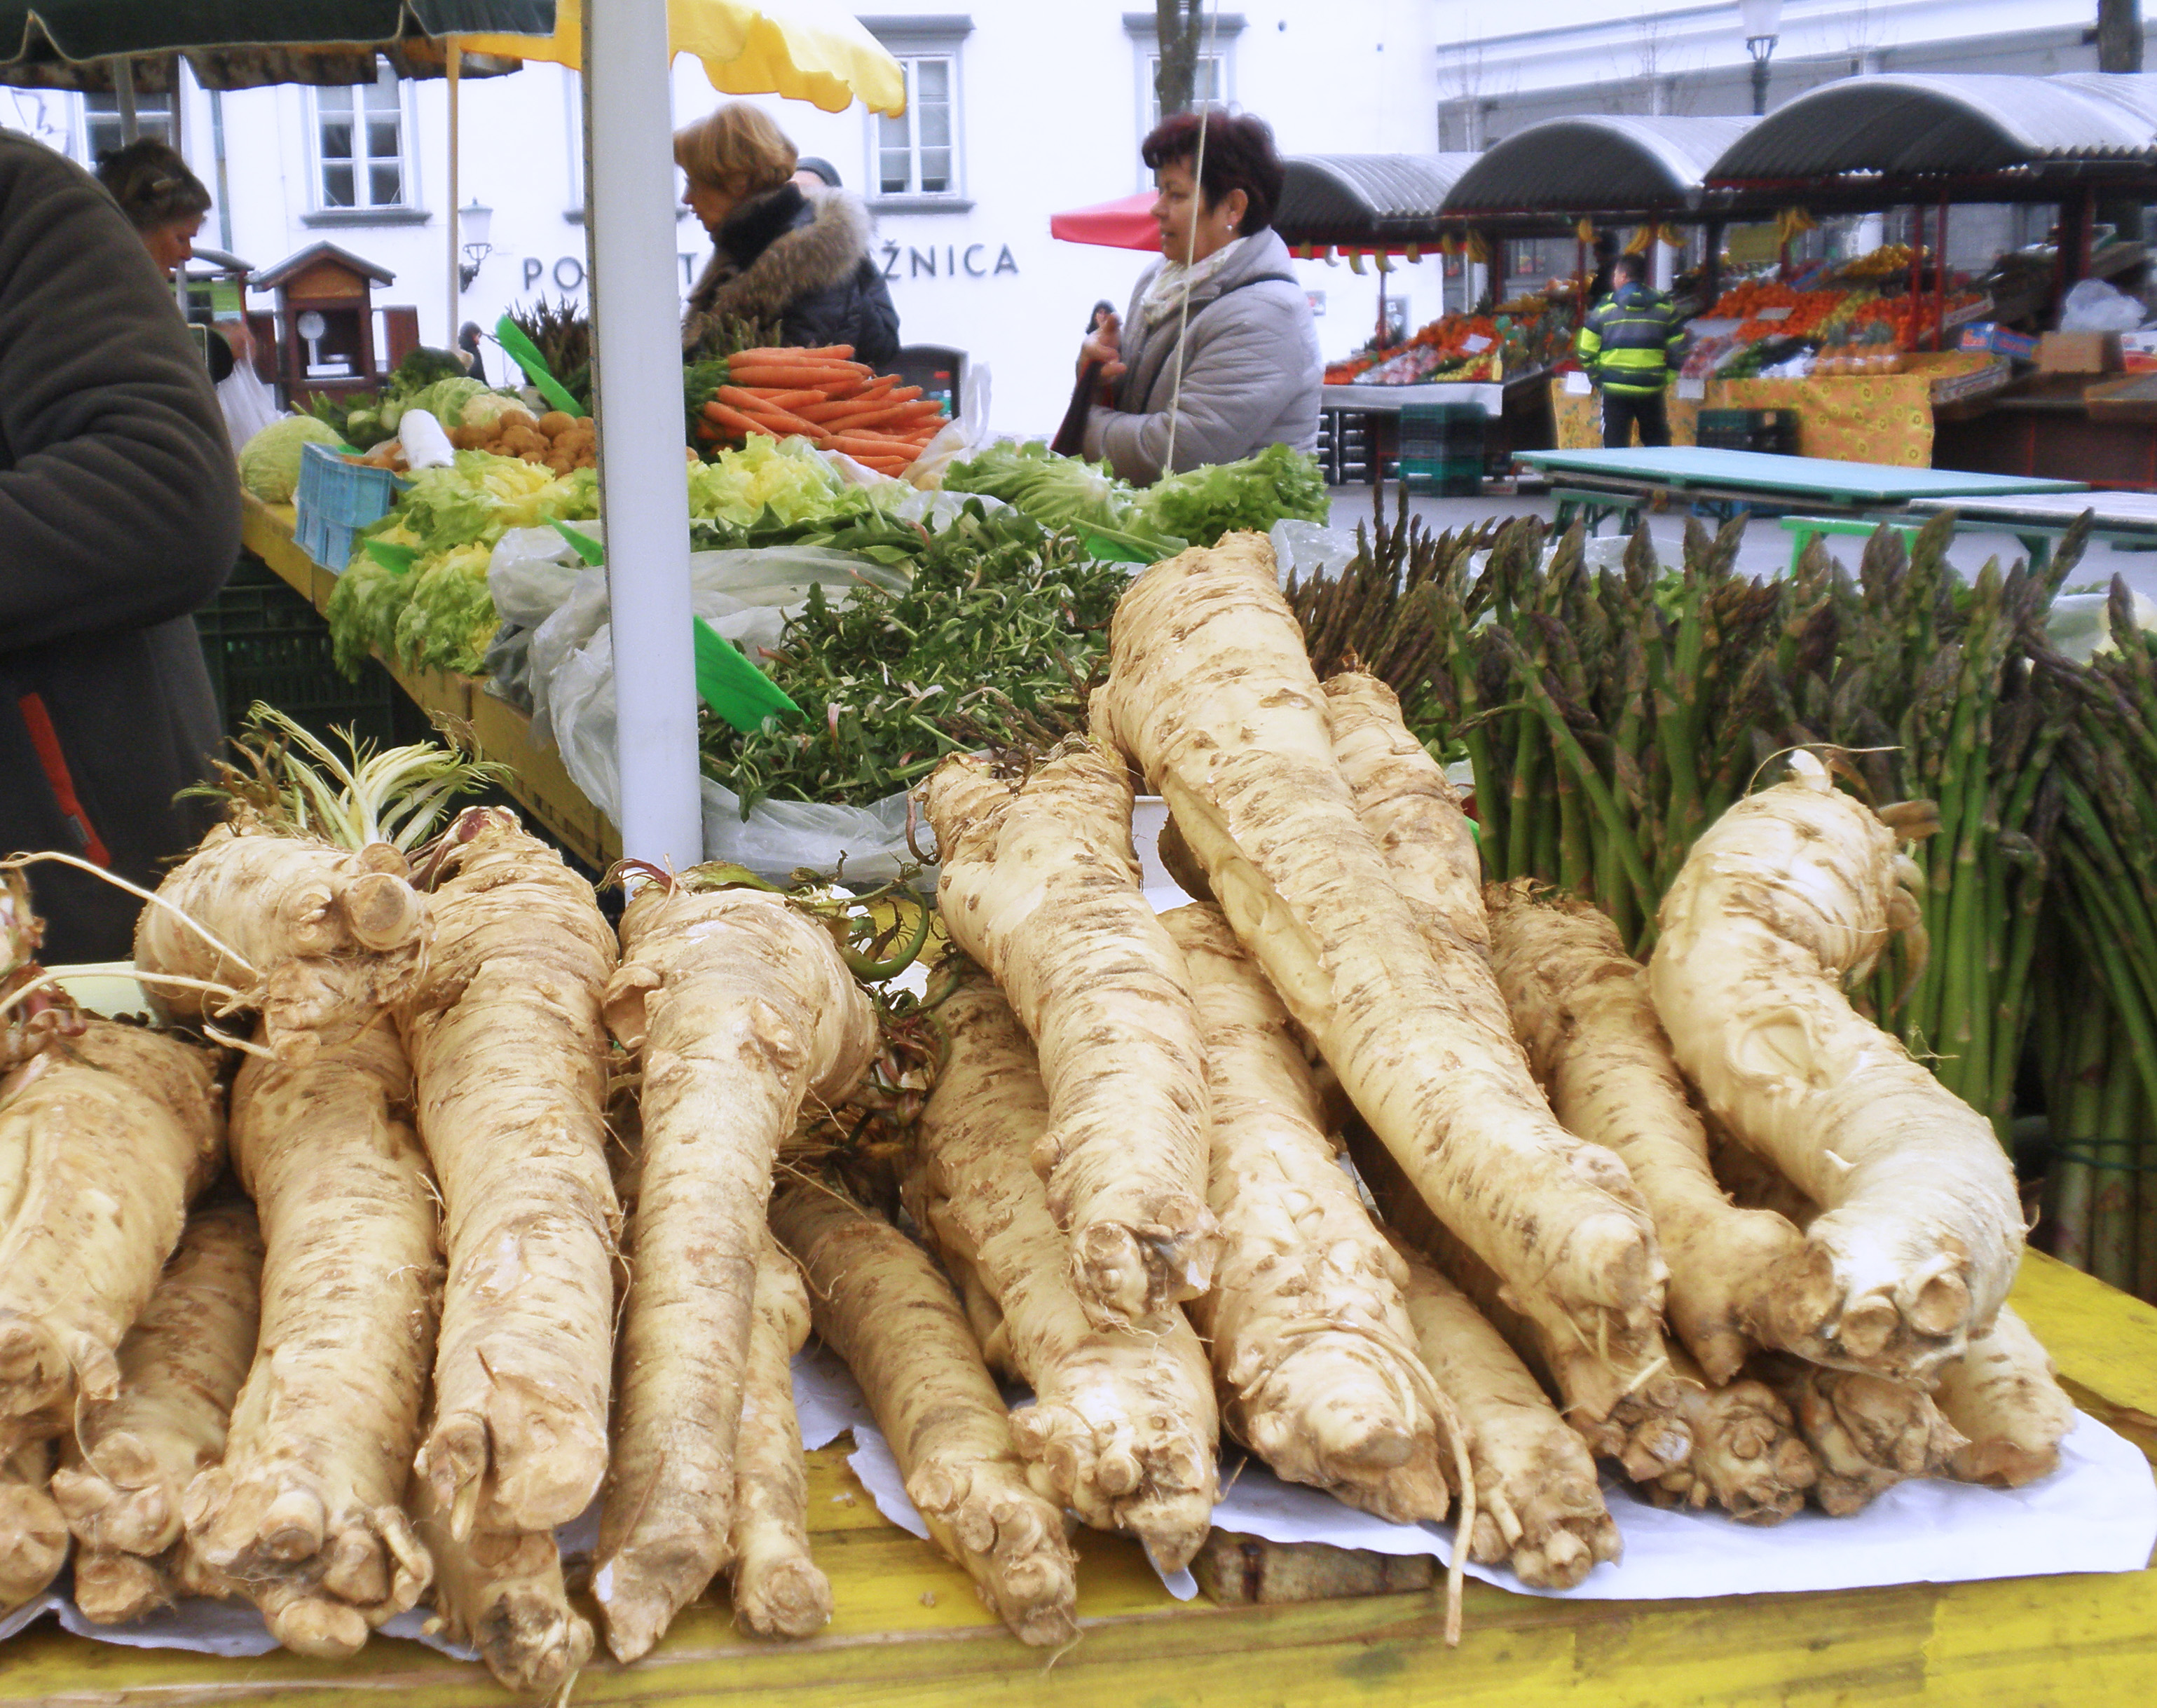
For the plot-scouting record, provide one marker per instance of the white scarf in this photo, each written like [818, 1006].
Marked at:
[1175, 282]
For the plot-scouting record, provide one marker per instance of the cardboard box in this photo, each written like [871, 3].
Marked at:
[1998, 340]
[2078, 352]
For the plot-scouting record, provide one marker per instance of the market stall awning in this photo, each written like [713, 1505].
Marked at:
[812, 50]
[1362, 200]
[1597, 163]
[1901, 127]
[73, 44]
[1126, 222]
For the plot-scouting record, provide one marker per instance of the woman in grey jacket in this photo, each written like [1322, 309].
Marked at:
[1223, 293]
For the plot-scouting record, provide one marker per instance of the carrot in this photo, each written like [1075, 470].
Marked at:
[870, 403]
[833, 355]
[783, 373]
[772, 416]
[737, 422]
[895, 417]
[752, 399]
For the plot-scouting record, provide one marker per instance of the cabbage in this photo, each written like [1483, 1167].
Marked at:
[269, 461]
[445, 400]
[489, 407]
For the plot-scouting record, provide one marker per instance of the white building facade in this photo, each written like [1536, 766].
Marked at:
[1020, 109]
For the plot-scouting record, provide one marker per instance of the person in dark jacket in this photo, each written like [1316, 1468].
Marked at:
[1629, 345]
[780, 254]
[119, 515]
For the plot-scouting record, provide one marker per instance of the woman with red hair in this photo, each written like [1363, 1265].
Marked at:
[1219, 357]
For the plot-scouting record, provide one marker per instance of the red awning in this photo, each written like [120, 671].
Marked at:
[1126, 222]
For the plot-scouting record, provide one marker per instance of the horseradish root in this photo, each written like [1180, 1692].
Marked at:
[1312, 1339]
[509, 1055]
[1040, 885]
[1123, 1425]
[2004, 1396]
[741, 1011]
[1746, 1458]
[1787, 897]
[1211, 691]
[778, 1590]
[501, 1593]
[1867, 1433]
[306, 1511]
[879, 1303]
[1580, 1009]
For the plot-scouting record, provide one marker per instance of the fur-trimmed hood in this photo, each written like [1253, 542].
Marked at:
[768, 256]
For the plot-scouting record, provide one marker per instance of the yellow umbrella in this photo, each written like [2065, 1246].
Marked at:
[810, 50]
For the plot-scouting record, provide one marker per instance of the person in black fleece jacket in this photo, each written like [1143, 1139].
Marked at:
[119, 515]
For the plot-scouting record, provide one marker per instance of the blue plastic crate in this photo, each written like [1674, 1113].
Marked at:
[336, 500]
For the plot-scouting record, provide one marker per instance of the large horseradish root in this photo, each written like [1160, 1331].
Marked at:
[1123, 1424]
[1746, 1457]
[126, 1467]
[1311, 1341]
[306, 1511]
[742, 1010]
[879, 1303]
[1210, 690]
[1581, 1009]
[313, 938]
[1786, 897]
[2004, 1396]
[509, 1053]
[779, 1590]
[1041, 885]
[33, 1536]
[107, 1135]
[1867, 1433]
[503, 1593]
[1539, 1507]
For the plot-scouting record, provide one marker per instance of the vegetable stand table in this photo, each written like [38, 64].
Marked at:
[908, 1630]
[500, 731]
[1599, 483]
[2038, 519]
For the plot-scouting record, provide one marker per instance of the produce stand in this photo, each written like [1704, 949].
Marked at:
[502, 731]
[1624, 481]
[907, 1628]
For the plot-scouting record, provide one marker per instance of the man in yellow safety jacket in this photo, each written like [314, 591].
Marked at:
[1629, 346]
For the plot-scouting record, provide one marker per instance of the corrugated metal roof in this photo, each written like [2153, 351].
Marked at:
[1900, 125]
[1340, 196]
[1597, 162]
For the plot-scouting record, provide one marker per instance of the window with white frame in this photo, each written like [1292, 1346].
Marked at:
[359, 145]
[1213, 72]
[916, 160]
[1209, 85]
[100, 122]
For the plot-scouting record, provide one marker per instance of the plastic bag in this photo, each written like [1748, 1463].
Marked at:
[2094, 307]
[964, 434]
[2079, 624]
[1306, 549]
[249, 404]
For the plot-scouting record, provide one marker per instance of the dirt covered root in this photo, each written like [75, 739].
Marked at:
[108, 1135]
[312, 938]
[1865, 1432]
[2004, 1395]
[1539, 1504]
[33, 1536]
[1211, 692]
[127, 1463]
[305, 1512]
[113, 1589]
[1580, 1009]
[1747, 1456]
[1122, 1424]
[878, 1302]
[1785, 900]
[509, 1053]
[778, 1589]
[1041, 885]
[1310, 1339]
[740, 1010]
[503, 1593]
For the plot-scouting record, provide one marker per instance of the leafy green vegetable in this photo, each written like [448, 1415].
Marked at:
[269, 461]
[1064, 491]
[1201, 504]
[448, 617]
[991, 643]
[788, 482]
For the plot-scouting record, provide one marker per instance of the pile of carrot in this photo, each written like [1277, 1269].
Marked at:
[832, 400]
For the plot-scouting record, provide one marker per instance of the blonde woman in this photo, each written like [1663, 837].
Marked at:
[798, 258]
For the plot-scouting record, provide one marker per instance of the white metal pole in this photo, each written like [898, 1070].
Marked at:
[636, 367]
[123, 90]
[455, 64]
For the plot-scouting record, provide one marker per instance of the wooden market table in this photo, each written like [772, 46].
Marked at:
[502, 731]
[908, 1630]
[1596, 484]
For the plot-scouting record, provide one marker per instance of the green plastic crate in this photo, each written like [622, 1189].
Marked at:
[262, 641]
[1443, 477]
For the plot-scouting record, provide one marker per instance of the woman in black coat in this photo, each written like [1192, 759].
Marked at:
[793, 258]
